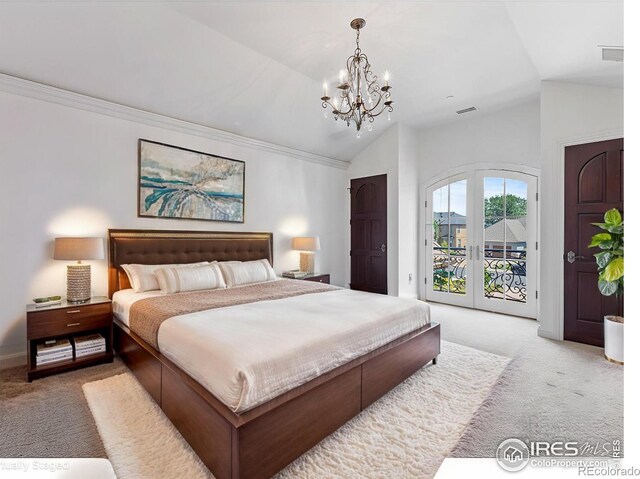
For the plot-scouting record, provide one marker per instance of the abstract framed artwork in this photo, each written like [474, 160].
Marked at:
[175, 182]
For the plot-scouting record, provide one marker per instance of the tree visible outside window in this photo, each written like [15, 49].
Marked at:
[495, 206]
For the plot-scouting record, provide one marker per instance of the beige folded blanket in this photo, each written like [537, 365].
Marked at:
[146, 315]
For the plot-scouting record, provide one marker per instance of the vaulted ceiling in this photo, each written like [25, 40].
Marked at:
[256, 68]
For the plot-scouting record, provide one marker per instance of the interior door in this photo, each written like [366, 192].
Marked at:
[369, 234]
[593, 184]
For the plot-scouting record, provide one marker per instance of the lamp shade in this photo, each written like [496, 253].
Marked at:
[306, 243]
[75, 249]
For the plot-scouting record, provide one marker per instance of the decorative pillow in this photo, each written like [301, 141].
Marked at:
[178, 280]
[246, 272]
[142, 278]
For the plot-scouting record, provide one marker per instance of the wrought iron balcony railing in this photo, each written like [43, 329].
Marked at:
[505, 272]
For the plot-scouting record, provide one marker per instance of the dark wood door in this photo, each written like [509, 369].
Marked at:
[593, 184]
[369, 234]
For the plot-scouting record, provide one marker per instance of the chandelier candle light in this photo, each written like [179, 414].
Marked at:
[359, 97]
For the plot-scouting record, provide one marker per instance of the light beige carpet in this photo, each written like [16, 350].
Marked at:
[406, 434]
[552, 390]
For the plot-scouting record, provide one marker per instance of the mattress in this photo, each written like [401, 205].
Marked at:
[248, 354]
[124, 299]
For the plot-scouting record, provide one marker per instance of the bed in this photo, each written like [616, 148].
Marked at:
[240, 435]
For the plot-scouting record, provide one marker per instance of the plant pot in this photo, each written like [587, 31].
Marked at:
[614, 339]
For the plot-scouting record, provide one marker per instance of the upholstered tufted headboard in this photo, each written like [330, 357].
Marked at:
[174, 247]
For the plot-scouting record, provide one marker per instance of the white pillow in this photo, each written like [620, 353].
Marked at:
[246, 272]
[177, 280]
[142, 278]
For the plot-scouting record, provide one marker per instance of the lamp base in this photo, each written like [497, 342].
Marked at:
[78, 283]
[307, 262]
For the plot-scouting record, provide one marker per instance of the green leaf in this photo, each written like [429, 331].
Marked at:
[614, 270]
[607, 288]
[610, 260]
[608, 245]
[613, 217]
[603, 258]
[599, 238]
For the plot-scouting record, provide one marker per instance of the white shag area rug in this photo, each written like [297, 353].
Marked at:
[405, 434]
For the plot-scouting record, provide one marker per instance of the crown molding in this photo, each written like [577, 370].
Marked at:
[40, 91]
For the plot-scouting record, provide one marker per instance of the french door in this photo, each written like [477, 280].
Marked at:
[481, 230]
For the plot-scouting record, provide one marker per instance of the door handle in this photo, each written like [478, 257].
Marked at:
[383, 248]
[572, 257]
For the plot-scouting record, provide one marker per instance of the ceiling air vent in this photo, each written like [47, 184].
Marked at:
[466, 110]
[612, 54]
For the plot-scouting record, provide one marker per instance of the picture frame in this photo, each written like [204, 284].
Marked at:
[179, 183]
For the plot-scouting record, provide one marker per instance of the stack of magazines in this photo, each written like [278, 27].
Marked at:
[47, 302]
[295, 274]
[89, 345]
[53, 351]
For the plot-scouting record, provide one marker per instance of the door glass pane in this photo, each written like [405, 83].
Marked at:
[494, 238]
[441, 219]
[440, 272]
[450, 238]
[516, 241]
[458, 237]
[440, 222]
[505, 239]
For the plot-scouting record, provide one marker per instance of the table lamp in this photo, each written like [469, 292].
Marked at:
[78, 275]
[307, 245]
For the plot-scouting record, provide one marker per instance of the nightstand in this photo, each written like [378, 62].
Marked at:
[68, 320]
[317, 277]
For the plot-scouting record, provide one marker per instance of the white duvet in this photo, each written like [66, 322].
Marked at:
[248, 354]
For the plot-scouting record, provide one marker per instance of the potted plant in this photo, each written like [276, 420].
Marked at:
[610, 261]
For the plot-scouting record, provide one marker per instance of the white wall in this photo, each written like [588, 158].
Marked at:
[66, 171]
[408, 201]
[570, 114]
[380, 158]
[508, 138]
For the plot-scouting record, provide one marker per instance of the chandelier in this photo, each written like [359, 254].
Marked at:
[359, 98]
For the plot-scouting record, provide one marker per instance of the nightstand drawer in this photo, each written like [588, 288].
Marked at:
[323, 278]
[70, 320]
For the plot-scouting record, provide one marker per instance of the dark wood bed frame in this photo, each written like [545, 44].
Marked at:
[260, 442]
